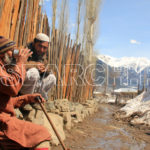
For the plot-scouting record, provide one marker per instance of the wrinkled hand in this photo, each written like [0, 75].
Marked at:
[23, 56]
[41, 67]
[34, 98]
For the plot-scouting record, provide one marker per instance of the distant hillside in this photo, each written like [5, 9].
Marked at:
[123, 72]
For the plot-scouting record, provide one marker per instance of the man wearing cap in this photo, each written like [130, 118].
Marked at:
[38, 79]
[17, 133]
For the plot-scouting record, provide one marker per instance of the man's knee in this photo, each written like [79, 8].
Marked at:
[48, 82]
[33, 74]
[52, 79]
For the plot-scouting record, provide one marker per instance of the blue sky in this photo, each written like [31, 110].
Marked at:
[124, 28]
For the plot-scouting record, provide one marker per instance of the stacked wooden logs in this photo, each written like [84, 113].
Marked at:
[21, 20]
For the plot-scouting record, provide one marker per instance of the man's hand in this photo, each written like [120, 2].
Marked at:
[41, 67]
[34, 98]
[23, 56]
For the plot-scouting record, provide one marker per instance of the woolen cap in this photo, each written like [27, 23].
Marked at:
[42, 37]
[6, 44]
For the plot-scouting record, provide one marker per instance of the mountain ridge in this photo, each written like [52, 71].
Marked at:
[123, 72]
[137, 63]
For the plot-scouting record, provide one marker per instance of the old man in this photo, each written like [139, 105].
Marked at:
[20, 133]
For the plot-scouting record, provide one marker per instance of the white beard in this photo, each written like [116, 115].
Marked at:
[7, 60]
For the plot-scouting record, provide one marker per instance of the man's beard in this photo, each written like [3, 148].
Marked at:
[8, 60]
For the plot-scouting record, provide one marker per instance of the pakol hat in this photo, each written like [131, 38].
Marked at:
[6, 44]
[42, 37]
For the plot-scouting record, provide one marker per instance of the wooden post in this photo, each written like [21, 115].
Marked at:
[14, 18]
[21, 25]
[67, 69]
[71, 73]
[1, 6]
[60, 66]
[28, 23]
[75, 74]
[5, 19]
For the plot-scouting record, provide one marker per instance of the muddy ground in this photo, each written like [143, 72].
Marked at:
[102, 132]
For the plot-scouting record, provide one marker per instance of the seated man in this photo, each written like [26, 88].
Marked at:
[38, 78]
[21, 133]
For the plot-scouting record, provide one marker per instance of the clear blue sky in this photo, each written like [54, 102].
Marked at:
[124, 27]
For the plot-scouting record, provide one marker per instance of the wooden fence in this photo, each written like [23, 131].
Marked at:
[21, 20]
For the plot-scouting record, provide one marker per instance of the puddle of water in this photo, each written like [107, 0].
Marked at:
[106, 145]
[138, 146]
[113, 139]
[111, 134]
[115, 144]
[101, 120]
[106, 116]
[124, 132]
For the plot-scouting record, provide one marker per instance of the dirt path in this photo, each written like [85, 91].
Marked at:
[101, 132]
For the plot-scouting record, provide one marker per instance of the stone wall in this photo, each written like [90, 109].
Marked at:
[63, 113]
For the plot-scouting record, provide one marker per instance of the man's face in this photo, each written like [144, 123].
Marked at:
[41, 47]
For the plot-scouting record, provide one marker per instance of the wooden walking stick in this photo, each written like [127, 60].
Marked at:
[52, 125]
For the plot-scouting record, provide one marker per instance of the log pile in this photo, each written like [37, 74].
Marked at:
[21, 20]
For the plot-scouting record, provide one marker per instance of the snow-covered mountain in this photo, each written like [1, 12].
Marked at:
[123, 72]
[138, 64]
